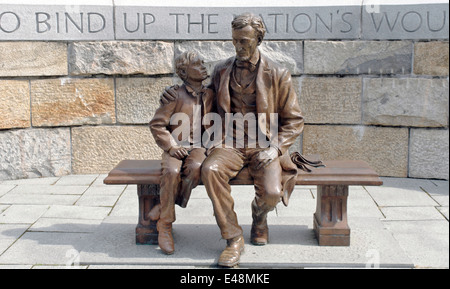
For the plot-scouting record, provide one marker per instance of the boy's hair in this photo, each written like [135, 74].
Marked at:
[248, 19]
[183, 61]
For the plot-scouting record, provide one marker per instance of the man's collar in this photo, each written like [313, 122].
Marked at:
[252, 63]
[255, 58]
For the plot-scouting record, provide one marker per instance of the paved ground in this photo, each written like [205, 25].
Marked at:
[77, 221]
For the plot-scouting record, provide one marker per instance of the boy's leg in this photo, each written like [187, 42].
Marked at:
[170, 180]
[191, 175]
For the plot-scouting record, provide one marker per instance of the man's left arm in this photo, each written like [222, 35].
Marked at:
[291, 121]
[290, 124]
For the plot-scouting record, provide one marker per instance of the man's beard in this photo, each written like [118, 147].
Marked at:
[243, 58]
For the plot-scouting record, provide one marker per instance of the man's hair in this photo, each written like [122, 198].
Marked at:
[183, 61]
[254, 21]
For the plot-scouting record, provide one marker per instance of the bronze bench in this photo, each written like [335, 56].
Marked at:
[330, 219]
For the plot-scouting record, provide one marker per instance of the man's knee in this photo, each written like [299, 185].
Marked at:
[209, 168]
[272, 196]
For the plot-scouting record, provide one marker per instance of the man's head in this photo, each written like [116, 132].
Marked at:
[189, 67]
[248, 34]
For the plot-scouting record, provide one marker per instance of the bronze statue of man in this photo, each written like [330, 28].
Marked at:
[250, 83]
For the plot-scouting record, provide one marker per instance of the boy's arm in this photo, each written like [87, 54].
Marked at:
[159, 126]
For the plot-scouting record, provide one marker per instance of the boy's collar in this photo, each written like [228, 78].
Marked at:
[193, 92]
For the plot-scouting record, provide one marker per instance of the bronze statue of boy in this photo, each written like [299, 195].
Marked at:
[182, 158]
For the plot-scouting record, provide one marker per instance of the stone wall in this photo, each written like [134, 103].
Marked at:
[81, 106]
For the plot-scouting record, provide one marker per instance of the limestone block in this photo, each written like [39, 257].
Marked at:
[65, 101]
[431, 58]
[331, 100]
[98, 149]
[33, 59]
[358, 57]
[287, 53]
[406, 102]
[384, 149]
[138, 98]
[429, 154]
[121, 57]
[32, 153]
[14, 104]
[212, 52]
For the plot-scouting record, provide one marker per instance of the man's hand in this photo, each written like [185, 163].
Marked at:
[265, 157]
[178, 152]
[170, 94]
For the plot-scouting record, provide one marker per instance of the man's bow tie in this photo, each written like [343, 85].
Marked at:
[245, 64]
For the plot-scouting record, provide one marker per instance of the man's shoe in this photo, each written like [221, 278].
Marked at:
[231, 256]
[165, 239]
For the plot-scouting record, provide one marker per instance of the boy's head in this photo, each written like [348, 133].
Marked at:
[190, 68]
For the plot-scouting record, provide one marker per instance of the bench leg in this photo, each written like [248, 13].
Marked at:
[330, 220]
[146, 232]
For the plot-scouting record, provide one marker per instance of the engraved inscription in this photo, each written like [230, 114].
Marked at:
[59, 22]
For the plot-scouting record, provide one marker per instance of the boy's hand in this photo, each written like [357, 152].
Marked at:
[178, 152]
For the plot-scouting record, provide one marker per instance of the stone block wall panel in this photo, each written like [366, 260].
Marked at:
[385, 149]
[212, 52]
[33, 153]
[97, 149]
[14, 104]
[68, 102]
[33, 59]
[121, 57]
[331, 100]
[431, 58]
[412, 102]
[429, 154]
[138, 98]
[358, 57]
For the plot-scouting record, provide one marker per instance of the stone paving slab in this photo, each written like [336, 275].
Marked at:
[22, 214]
[9, 234]
[64, 225]
[444, 211]
[36, 199]
[77, 180]
[411, 213]
[46, 248]
[77, 212]
[38, 189]
[425, 242]
[398, 196]
[5, 189]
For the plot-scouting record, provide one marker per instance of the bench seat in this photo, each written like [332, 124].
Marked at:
[332, 181]
[142, 172]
